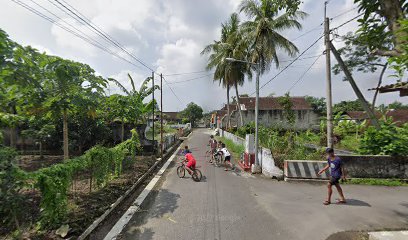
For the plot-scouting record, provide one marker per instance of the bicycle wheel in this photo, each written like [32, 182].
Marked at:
[181, 172]
[197, 175]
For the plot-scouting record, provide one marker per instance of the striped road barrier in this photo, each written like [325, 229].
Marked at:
[305, 169]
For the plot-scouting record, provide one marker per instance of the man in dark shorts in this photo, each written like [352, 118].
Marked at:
[336, 173]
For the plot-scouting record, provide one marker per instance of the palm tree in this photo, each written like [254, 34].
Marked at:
[230, 74]
[262, 31]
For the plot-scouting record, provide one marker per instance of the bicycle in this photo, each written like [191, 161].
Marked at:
[181, 172]
[217, 159]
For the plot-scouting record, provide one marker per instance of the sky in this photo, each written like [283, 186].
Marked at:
[168, 36]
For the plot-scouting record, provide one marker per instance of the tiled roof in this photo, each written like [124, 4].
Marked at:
[402, 87]
[399, 116]
[272, 103]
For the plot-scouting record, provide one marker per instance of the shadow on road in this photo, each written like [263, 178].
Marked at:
[160, 203]
[358, 203]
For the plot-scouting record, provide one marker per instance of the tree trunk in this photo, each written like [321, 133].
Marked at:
[122, 133]
[239, 106]
[13, 137]
[228, 109]
[360, 96]
[65, 133]
[41, 150]
[378, 85]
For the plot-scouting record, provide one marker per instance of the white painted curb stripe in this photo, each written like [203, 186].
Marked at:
[124, 220]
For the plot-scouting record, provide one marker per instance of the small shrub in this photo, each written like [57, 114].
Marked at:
[389, 140]
[11, 182]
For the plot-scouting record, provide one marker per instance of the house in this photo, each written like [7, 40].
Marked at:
[173, 117]
[399, 116]
[271, 113]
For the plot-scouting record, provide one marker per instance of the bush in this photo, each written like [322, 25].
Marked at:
[351, 143]
[54, 182]
[389, 140]
[11, 182]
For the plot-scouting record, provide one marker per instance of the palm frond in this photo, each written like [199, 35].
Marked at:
[119, 85]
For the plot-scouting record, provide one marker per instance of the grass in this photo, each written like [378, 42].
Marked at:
[235, 149]
[377, 182]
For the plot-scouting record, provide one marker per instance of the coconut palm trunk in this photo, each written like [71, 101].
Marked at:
[239, 106]
[65, 133]
[228, 108]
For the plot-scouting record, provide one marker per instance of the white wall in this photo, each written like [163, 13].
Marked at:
[265, 157]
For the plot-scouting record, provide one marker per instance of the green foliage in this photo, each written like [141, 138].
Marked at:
[318, 104]
[350, 142]
[284, 144]
[234, 148]
[389, 140]
[11, 182]
[287, 105]
[376, 182]
[54, 182]
[192, 112]
[346, 127]
[346, 106]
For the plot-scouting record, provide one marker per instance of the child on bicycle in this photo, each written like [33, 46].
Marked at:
[213, 146]
[227, 157]
[189, 158]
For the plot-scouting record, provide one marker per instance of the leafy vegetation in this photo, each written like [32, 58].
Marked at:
[389, 140]
[11, 182]
[192, 112]
[376, 181]
[54, 182]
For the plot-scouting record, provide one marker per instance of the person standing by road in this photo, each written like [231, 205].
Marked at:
[227, 157]
[336, 173]
[213, 146]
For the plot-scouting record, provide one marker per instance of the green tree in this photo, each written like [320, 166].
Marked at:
[230, 45]
[138, 110]
[346, 106]
[263, 28]
[318, 104]
[358, 57]
[69, 84]
[384, 29]
[192, 112]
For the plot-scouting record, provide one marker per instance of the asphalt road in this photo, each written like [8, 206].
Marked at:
[236, 205]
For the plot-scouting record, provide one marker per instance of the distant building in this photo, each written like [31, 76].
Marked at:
[271, 113]
[173, 117]
[399, 116]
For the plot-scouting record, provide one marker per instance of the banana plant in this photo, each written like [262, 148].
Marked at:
[136, 100]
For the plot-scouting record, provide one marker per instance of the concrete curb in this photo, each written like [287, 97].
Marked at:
[96, 223]
[134, 208]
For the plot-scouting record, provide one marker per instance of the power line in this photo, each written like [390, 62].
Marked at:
[289, 60]
[287, 66]
[311, 30]
[38, 13]
[104, 35]
[167, 83]
[346, 22]
[192, 79]
[303, 74]
[184, 73]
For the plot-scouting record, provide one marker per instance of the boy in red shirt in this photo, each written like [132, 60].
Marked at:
[189, 158]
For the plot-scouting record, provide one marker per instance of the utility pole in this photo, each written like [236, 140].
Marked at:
[161, 116]
[329, 102]
[154, 145]
[257, 167]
